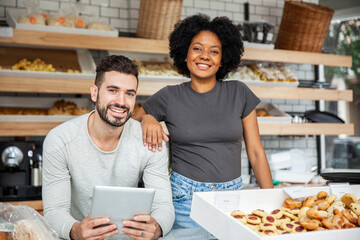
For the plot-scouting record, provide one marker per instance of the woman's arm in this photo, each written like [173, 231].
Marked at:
[153, 133]
[255, 151]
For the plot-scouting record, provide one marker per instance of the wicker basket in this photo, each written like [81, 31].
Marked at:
[157, 18]
[303, 26]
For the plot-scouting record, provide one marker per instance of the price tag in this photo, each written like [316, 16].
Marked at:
[297, 192]
[227, 201]
[339, 189]
[6, 32]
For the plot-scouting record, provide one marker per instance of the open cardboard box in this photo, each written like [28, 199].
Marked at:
[212, 211]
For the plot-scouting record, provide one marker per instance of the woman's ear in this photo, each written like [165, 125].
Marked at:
[93, 92]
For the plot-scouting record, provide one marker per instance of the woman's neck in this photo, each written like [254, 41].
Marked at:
[202, 86]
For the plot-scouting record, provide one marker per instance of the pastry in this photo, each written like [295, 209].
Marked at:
[270, 219]
[331, 198]
[310, 224]
[284, 219]
[254, 227]
[322, 195]
[280, 230]
[261, 112]
[288, 226]
[259, 213]
[240, 218]
[80, 111]
[348, 198]
[269, 232]
[346, 213]
[277, 213]
[238, 212]
[289, 215]
[252, 219]
[355, 207]
[321, 204]
[308, 202]
[267, 226]
[292, 203]
[313, 213]
[327, 222]
[302, 212]
[298, 229]
[99, 26]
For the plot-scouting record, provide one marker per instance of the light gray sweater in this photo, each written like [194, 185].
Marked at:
[73, 165]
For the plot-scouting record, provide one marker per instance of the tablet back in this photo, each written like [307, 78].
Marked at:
[120, 203]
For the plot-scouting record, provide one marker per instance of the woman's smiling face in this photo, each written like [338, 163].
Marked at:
[204, 56]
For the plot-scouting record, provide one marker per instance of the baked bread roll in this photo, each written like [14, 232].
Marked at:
[99, 26]
[60, 22]
[37, 19]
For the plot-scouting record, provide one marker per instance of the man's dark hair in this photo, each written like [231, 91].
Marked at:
[228, 34]
[117, 63]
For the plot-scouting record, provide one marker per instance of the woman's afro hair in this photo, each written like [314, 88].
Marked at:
[229, 35]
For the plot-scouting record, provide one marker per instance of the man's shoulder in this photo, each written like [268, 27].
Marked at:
[65, 132]
[134, 132]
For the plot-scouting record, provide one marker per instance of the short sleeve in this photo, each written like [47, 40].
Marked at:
[156, 105]
[250, 100]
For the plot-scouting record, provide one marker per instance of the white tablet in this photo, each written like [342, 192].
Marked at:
[120, 203]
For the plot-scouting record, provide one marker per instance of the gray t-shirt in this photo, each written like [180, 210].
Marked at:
[73, 165]
[205, 128]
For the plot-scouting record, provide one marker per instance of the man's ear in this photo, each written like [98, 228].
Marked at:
[93, 92]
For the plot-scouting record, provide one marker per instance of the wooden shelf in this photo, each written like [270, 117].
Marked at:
[287, 129]
[8, 129]
[51, 39]
[148, 88]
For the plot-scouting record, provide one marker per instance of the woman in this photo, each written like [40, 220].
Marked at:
[206, 117]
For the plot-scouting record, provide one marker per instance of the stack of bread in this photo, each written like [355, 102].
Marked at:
[315, 213]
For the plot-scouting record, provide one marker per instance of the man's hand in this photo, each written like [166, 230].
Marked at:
[90, 229]
[142, 227]
[153, 133]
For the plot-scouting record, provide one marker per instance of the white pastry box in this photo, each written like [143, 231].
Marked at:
[212, 211]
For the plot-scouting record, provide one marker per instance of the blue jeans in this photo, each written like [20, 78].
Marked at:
[182, 193]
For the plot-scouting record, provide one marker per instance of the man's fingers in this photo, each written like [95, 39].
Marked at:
[106, 235]
[142, 218]
[98, 222]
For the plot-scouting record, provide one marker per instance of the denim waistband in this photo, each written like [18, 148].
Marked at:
[204, 186]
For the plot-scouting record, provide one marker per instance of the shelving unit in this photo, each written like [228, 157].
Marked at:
[140, 45]
[147, 88]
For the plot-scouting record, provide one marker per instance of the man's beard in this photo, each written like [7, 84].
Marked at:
[117, 122]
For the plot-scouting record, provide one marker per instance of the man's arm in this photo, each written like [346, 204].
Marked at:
[56, 187]
[57, 197]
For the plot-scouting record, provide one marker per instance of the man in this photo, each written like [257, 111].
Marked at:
[104, 147]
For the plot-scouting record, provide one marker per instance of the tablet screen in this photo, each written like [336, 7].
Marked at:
[120, 203]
